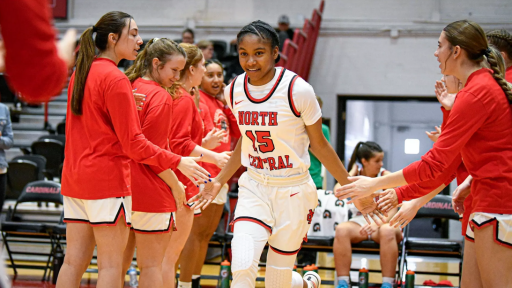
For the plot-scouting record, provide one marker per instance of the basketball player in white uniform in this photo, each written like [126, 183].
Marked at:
[279, 119]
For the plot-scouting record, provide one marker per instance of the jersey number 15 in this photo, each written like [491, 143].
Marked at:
[265, 144]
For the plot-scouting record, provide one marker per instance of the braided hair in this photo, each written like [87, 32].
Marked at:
[471, 37]
[264, 31]
[502, 40]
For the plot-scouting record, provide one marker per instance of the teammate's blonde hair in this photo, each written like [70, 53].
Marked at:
[194, 56]
[160, 48]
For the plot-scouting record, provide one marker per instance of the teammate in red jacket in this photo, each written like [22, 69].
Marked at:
[480, 128]
[102, 134]
[37, 68]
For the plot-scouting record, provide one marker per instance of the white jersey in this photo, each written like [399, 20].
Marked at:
[272, 119]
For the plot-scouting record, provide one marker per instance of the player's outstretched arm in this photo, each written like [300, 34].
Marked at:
[211, 189]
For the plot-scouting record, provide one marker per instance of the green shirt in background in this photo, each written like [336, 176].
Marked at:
[316, 167]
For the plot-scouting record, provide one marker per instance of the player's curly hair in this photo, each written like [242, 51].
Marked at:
[262, 30]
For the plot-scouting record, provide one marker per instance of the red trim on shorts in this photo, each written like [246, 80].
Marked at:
[98, 224]
[287, 253]
[171, 225]
[494, 222]
[253, 220]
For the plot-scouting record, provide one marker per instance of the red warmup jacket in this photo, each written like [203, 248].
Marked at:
[480, 128]
[31, 61]
[223, 119]
[150, 193]
[101, 141]
[186, 134]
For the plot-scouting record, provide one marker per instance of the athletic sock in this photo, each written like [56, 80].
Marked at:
[389, 280]
[297, 281]
[184, 284]
[196, 281]
[344, 278]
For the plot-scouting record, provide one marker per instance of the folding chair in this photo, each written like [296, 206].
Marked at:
[440, 207]
[14, 226]
[53, 151]
[20, 173]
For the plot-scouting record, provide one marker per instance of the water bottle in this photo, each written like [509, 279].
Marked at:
[409, 279]
[58, 260]
[225, 273]
[132, 272]
[363, 274]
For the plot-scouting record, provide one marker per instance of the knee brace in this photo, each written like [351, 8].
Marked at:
[279, 270]
[243, 252]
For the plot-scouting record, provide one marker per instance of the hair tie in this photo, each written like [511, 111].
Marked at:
[155, 39]
[94, 29]
[487, 52]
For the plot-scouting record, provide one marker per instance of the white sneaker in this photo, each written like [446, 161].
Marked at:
[313, 279]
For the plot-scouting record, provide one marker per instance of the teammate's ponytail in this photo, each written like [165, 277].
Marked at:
[469, 36]
[264, 31]
[112, 22]
[363, 150]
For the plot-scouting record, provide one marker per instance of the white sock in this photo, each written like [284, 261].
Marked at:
[389, 280]
[345, 278]
[297, 281]
[184, 284]
[194, 277]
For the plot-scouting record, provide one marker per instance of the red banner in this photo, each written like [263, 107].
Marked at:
[59, 8]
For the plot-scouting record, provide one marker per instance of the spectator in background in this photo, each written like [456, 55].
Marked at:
[315, 169]
[284, 30]
[207, 49]
[187, 36]
[6, 141]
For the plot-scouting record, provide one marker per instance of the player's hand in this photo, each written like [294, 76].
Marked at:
[405, 215]
[459, 195]
[220, 96]
[2, 57]
[206, 196]
[360, 187]
[139, 99]
[434, 135]
[388, 200]
[189, 167]
[368, 208]
[443, 96]
[178, 192]
[213, 138]
[66, 48]
[221, 159]
[368, 230]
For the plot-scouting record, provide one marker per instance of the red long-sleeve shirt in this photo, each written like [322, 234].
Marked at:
[149, 192]
[417, 190]
[101, 141]
[31, 61]
[480, 128]
[186, 134]
[223, 119]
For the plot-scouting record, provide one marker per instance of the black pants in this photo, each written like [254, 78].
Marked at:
[3, 188]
